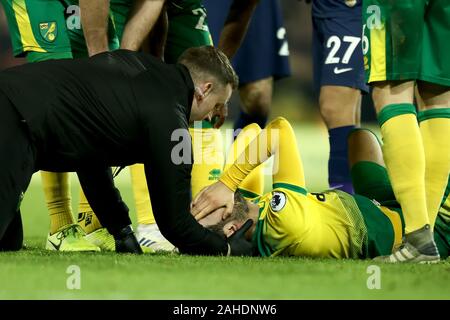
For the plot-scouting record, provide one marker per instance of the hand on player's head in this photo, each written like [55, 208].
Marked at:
[211, 198]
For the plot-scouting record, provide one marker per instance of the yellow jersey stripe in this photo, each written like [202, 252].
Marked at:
[378, 54]
[29, 42]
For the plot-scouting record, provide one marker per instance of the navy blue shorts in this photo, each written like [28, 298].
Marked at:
[337, 53]
[264, 51]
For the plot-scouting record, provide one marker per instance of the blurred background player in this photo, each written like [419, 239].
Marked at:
[338, 78]
[262, 57]
[407, 41]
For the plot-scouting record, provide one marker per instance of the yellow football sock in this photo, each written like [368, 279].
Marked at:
[435, 129]
[253, 185]
[142, 202]
[404, 156]
[87, 219]
[57, 195]
[208, 156]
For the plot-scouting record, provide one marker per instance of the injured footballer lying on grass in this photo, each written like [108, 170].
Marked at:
[290, 221]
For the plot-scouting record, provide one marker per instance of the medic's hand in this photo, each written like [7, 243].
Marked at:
[238, 245]
[211, 198]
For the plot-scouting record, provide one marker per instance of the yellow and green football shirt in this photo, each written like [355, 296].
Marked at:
[295, 223]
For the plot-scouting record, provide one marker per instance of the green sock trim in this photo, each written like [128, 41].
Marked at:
[394, 110]
[433, 114]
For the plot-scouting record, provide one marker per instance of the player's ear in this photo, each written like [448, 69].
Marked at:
[199, 95]
[207, 87]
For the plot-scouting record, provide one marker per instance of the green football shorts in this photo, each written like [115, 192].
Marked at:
[51, 29]
[37, 26]
[188, 27]
[407, 40]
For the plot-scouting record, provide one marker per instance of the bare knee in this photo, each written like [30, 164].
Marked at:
[338, 105]
[392, 92]
[256, 97]
[433, 96]
[363, 145]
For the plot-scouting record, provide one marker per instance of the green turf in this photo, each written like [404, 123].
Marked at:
[38, 274]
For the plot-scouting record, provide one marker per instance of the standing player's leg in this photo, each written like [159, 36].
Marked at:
[39, 33]
[434, 88]
[434, 122]
[262, 58]
[392, 57]
[441, 228]
[256, 100]
[339, 79]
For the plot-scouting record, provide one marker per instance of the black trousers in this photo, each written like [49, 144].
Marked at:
[17, 160]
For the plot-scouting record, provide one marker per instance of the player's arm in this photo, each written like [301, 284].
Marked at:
[236, 25]
[94, 18]
[141, 20]
[155, 43]
[253, 185]
[276, 139]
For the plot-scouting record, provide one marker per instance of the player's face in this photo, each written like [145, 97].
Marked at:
[209, 100]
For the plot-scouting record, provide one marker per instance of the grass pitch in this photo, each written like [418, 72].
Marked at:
[35, 273]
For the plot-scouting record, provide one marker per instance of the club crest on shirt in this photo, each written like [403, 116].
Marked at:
[278, 201]
[350, 3]
[48, 31]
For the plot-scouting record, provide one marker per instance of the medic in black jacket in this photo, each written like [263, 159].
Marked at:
[114, 109]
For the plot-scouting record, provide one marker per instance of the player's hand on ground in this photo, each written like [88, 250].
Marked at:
[211, 198]
[239, 245]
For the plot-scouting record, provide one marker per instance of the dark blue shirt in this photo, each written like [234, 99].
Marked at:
[336, 8]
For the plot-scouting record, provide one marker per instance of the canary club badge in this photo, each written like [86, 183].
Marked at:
[48, 31]
[278, 201]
